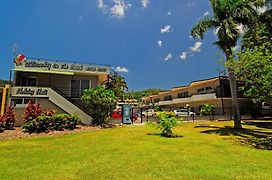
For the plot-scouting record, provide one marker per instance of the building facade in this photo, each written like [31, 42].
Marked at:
[56, 85]
[214, 91]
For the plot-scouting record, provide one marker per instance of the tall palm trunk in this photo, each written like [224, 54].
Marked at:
[234, 95]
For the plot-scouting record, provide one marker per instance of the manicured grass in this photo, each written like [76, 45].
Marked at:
[202, 152]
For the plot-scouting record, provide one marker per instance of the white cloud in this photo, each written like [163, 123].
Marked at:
[159, 43]
[119, 8]
[145, 3]
[183, 55]
[168, 57]
[206, 13]
[196, 47]
[191, 4]
[169, 13]
[121, 69]
[100, 4]
[166, 29]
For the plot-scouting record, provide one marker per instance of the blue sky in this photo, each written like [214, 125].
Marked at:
[148, 41]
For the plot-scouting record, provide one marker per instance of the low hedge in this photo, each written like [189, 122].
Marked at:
[56, 122]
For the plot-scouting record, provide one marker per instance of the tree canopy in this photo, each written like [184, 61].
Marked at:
[101, 103]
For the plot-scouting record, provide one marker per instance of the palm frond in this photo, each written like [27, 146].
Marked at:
[203, 26]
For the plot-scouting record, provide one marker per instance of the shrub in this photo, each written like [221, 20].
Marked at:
[166, 124]
[46, 123]
[2, 124]
[207, 109]
[65, 121]
[9, 117]
[168, 114]
[48, 113]
[101, 102]
[168, 120]
[32, 111]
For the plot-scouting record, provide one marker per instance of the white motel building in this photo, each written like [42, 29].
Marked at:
[214, 91]
[55, 85]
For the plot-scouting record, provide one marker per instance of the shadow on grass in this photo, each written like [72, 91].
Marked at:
[206, 126]
[267, 124]
[159, 134]
[259, 139]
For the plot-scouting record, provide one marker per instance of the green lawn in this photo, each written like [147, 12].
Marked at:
[137, 152]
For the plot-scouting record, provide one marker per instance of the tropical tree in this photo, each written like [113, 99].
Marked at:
[228, 16]
[117, 84]
[101, 103]
[254, 70]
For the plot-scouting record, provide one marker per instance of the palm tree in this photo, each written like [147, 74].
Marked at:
[117, 84]
[228, 16]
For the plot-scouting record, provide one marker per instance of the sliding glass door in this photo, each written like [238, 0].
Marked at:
[78, 86]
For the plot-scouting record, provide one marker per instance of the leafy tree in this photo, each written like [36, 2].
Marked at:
[207, 109]
[254, 70]
[144, 93]
[228, 16]
[101, 103]
[117, 84]
[167, 122]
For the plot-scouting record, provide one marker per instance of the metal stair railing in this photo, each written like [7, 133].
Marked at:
[76, 102]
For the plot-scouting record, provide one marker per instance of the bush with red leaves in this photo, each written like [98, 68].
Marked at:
[32, 111]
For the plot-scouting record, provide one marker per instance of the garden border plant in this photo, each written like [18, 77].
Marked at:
[37, 120]
[8, 119]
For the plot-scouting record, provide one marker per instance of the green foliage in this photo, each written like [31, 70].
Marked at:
[57, 122]
[207, 109]
[167, 114]
[157, 108]
[32, 111]
[144, 93]
[167, 122]
[117, 84]
[101, 103]
[3, 82]
[64, 121]
[254, 70]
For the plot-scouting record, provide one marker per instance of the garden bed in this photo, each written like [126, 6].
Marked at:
[18, 133]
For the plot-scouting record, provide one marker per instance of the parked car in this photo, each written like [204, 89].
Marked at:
[149, 112]
[184, 112]
[116, 114]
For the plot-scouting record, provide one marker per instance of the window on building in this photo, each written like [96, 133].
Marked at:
[156, 100]
[29, 81]
[168, 98]
[78, 86]
[21, 102]
[205, 90]
[183, 94]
